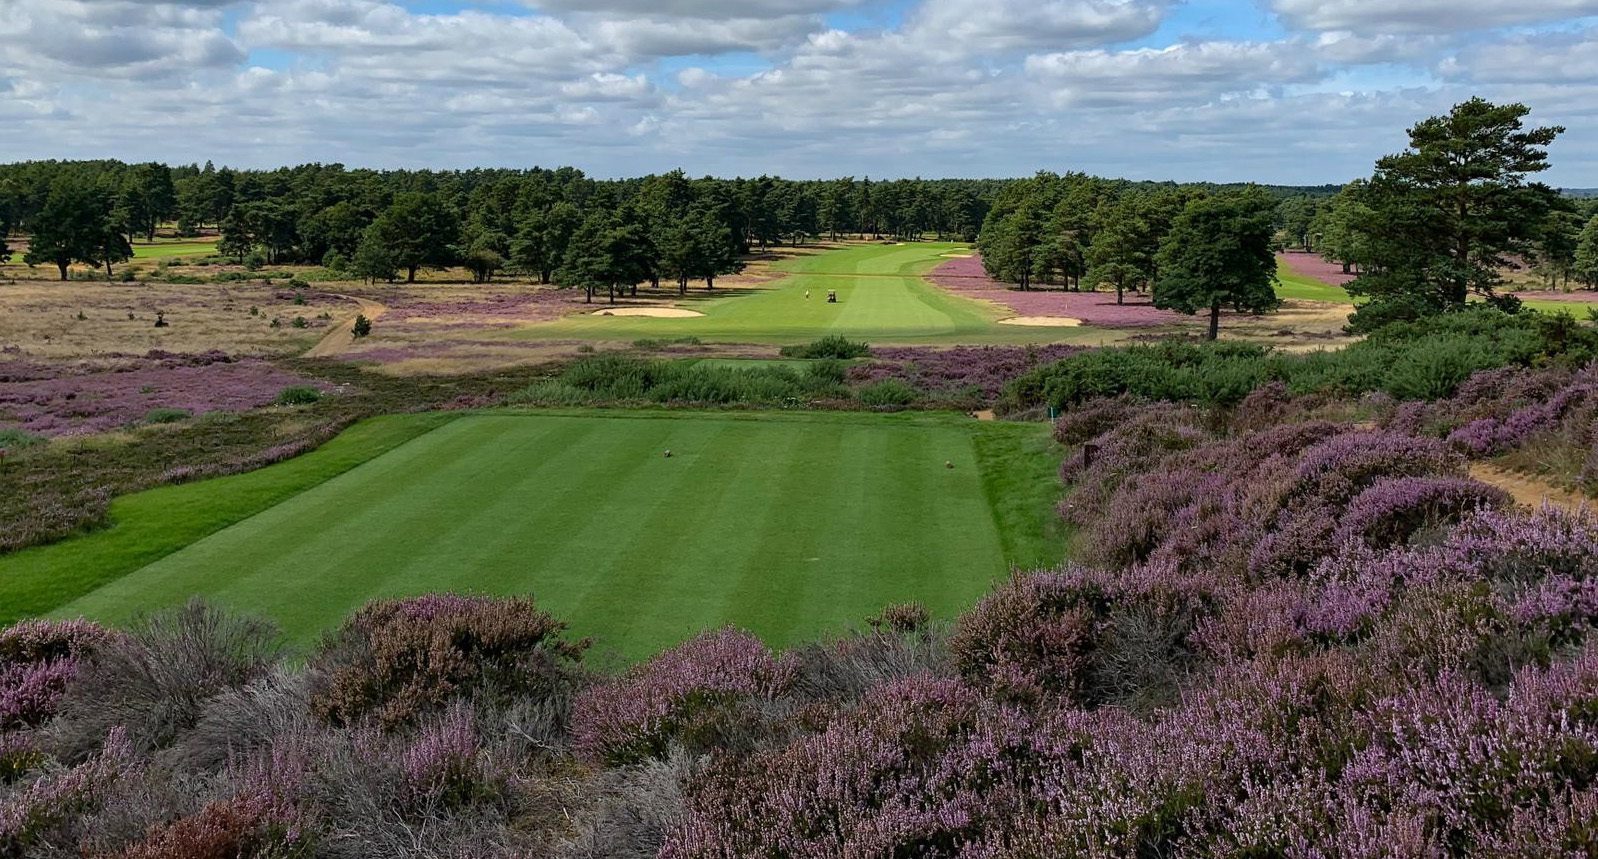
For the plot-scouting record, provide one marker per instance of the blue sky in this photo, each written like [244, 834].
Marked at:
[1292, 91]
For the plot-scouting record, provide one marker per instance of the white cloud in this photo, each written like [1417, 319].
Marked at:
[941, 87]
[1425, 16]
[119, 38]
[1184, 73]
[1541, 58]
[708, 9]
[999, 25]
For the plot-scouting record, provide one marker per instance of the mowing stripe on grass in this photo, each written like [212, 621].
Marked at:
[790, 525]
[883, 297]
[149, 525]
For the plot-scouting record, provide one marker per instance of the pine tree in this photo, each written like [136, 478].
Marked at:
[1218, 254]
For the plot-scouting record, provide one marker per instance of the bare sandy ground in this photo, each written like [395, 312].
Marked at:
[658, 312]
[1529, 490]
[342, 336]
[1042, 321]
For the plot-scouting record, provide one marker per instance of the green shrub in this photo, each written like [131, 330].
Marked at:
[254, 261]
[829, 371]
[831, 346]
[1423, 358]
[618, 377]
[550, 392]
[298, 395]
[12, 438]
[888, 393]
[167, 416]
[362, 326]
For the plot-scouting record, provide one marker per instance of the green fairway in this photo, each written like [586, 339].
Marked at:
[790, 525]
[882, 297]
[1291, 284]
[163, 250]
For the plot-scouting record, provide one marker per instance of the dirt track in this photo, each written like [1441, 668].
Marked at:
[340, 338]
[1529, 490]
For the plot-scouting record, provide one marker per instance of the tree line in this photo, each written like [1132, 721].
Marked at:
[1194, 248]
[555, 225]
[1433, 228]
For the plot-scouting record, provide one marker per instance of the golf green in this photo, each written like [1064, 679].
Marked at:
[164, 250]
[883, 297]
[789, 525]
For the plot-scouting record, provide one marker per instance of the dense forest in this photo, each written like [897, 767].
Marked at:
[555, 225]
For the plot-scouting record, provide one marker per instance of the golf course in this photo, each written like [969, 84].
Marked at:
[789, 525]
[882, 293]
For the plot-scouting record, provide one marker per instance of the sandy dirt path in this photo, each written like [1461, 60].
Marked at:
[336, 341]
[1529, 490]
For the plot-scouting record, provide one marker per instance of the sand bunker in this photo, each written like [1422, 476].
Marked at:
[1042, 321]
[659, 312]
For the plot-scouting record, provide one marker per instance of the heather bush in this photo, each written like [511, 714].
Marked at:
[395, 660]
[154, 682]
[1082, 634]
[32, 811]
[243, 827]
[695, 694]
[908, 773]
[632, 809]
[1392, 511]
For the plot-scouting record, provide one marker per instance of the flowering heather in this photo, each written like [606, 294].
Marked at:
[1392, 511]
[980, 372]
[38, 659]
[95, 398]
[28, 812]
[441, 762]
[965, 276]
[505, 309]
[1314, 267]
[1297, 638]
[685, 694]
[396, 659]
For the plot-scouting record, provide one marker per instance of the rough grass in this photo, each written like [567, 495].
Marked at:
[790, 525]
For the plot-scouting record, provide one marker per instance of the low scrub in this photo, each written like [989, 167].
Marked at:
[298, 395]
[1408, 360]
[626, 378]
[831, 346]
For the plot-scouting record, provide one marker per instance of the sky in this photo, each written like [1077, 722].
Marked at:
[1279, 91]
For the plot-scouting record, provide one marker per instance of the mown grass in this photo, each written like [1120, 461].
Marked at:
[165, 250]
[883, 297]
[1291, 284]
[152, 524]
[791, 525]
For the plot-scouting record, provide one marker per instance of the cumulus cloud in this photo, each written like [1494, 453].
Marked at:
[937, 87]
[1185, 73]
[699, 8]
[130, 40]
[998, 25]
[1548, 58]
[1425, 16]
